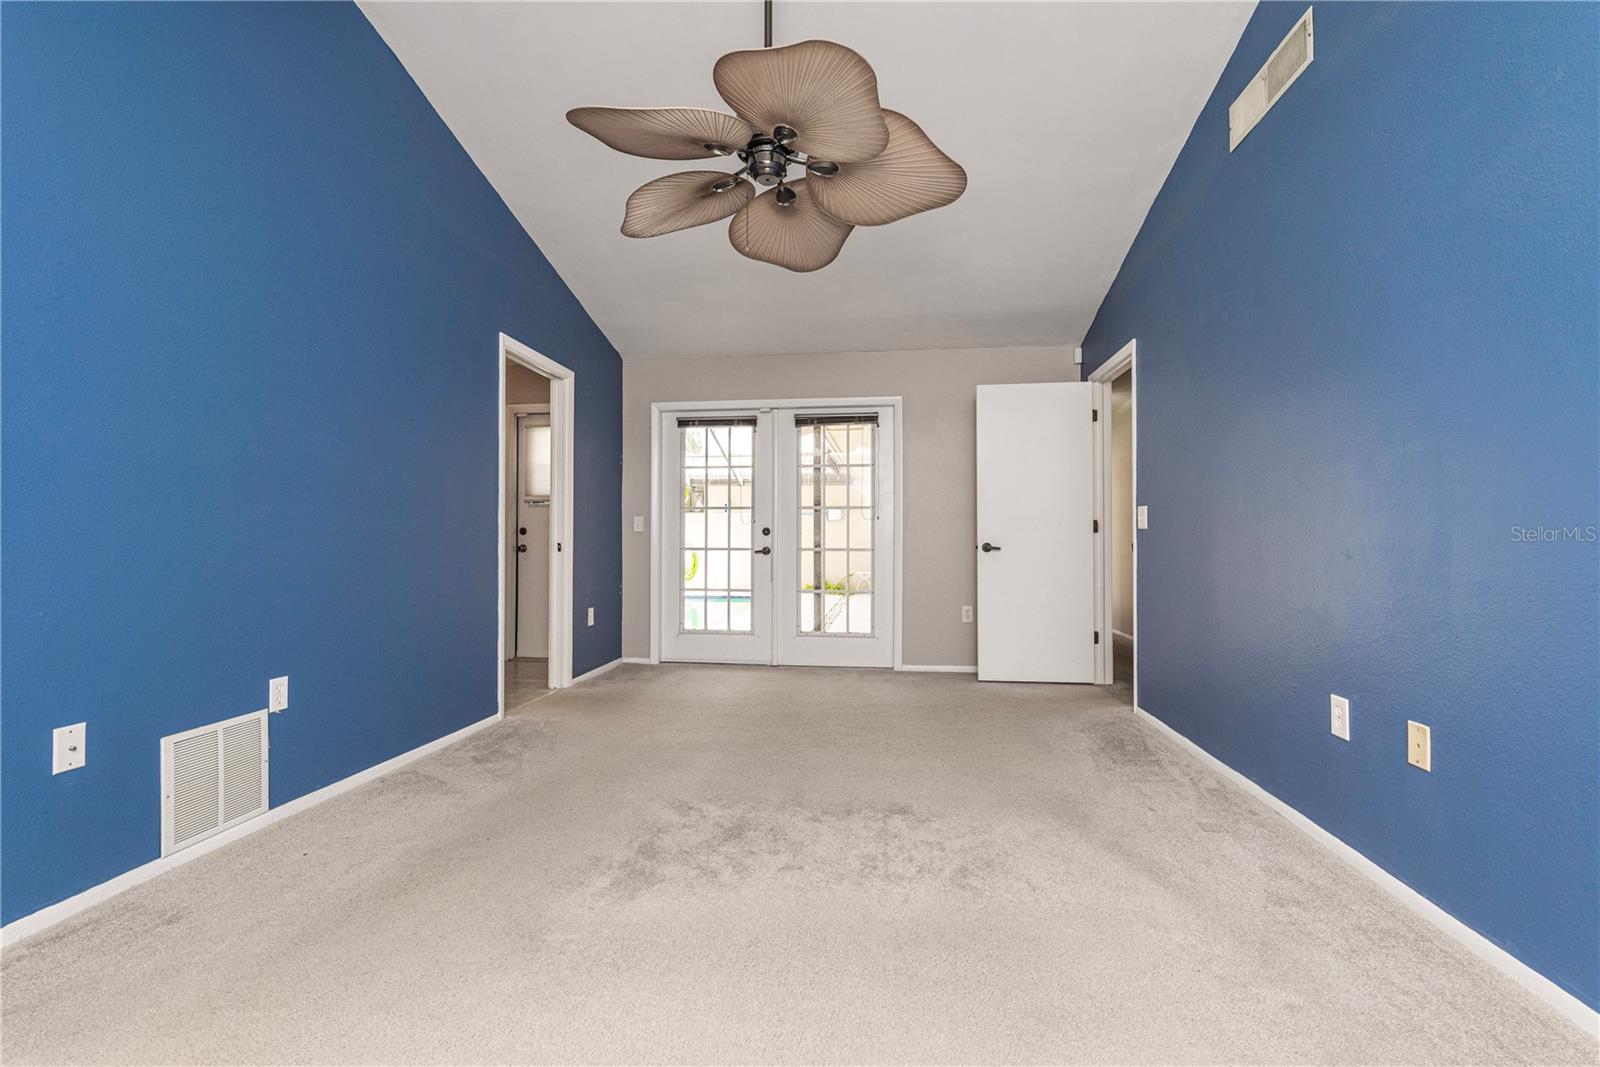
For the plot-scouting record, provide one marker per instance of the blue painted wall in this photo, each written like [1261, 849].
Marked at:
[1368, 345]
[252, 291]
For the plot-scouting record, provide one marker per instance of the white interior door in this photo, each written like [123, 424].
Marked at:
[716, 537]
[835, 522]
[1036, 536]
[532, 560]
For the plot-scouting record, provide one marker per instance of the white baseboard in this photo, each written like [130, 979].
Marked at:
[46, 917]
[588, 675]
[939, 668]
[1575, 1010]
[638, 659]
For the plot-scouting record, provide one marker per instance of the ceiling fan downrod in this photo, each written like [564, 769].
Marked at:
[767, 159]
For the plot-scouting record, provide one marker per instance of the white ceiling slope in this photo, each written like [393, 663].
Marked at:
[1066, 116]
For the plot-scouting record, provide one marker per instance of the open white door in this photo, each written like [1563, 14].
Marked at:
[1036, 533]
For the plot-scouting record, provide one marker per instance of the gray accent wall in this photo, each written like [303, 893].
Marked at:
[938, 387]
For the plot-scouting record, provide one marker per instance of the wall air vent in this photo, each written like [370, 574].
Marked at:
[212, 777]
[1292, 56]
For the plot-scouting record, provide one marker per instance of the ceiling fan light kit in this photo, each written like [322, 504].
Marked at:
[811, 106]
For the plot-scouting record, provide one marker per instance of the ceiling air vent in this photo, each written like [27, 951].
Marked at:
[1293, 55]
[212, 777]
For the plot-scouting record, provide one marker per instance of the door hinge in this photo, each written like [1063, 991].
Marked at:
[1094, 415]
[1096, 525]
[1097, 637]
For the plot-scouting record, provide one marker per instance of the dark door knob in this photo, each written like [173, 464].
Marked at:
[522, 548]
[764, 551]
[523, 530]
[987, 547]
[766, 531]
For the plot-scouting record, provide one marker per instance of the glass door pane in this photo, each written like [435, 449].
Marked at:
[835, 531]
[716, 473]
[716, 506]
[835, 537]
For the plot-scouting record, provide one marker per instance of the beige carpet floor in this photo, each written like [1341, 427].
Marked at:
[705, 864]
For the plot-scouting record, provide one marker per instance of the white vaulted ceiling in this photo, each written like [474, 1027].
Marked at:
[1067, 118]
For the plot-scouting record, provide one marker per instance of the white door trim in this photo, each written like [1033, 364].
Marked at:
[1126, 359]
[659, 408]
[563, 393]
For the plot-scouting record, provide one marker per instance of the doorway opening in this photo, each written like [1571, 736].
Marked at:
[535, 524]
[1119, 501]
[775, 532]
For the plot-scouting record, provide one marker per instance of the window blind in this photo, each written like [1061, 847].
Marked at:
[734, 420]
[869, 418]
[537, 461]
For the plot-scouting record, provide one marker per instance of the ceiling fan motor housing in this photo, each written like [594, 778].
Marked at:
[768, 160]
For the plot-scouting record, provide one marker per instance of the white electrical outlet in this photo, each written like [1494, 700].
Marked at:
[1144, 517]
[1339, 716]
[966, 613]
[638, 524]
[591, 616]
[69, 747]
[1419, 746]
[278, 694]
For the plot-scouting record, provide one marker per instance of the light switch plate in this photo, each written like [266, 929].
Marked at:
[1419, 745]
[1339, 716]
[591, 616]
[278, 694]
[638, 524]
[69, 747]
[1144, 517]
[966, 613]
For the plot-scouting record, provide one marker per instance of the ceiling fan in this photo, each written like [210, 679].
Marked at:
[812, 105]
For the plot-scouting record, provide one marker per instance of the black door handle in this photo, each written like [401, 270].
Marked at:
[987, 547]
[522, 548]
[764, 551]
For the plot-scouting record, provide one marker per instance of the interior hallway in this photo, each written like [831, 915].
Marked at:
[708, 863]
[527, 680]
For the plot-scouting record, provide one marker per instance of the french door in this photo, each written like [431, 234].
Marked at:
[778, 536]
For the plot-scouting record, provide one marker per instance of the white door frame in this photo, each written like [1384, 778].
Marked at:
[1126, 359]
[658, 409]
[563, 393]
